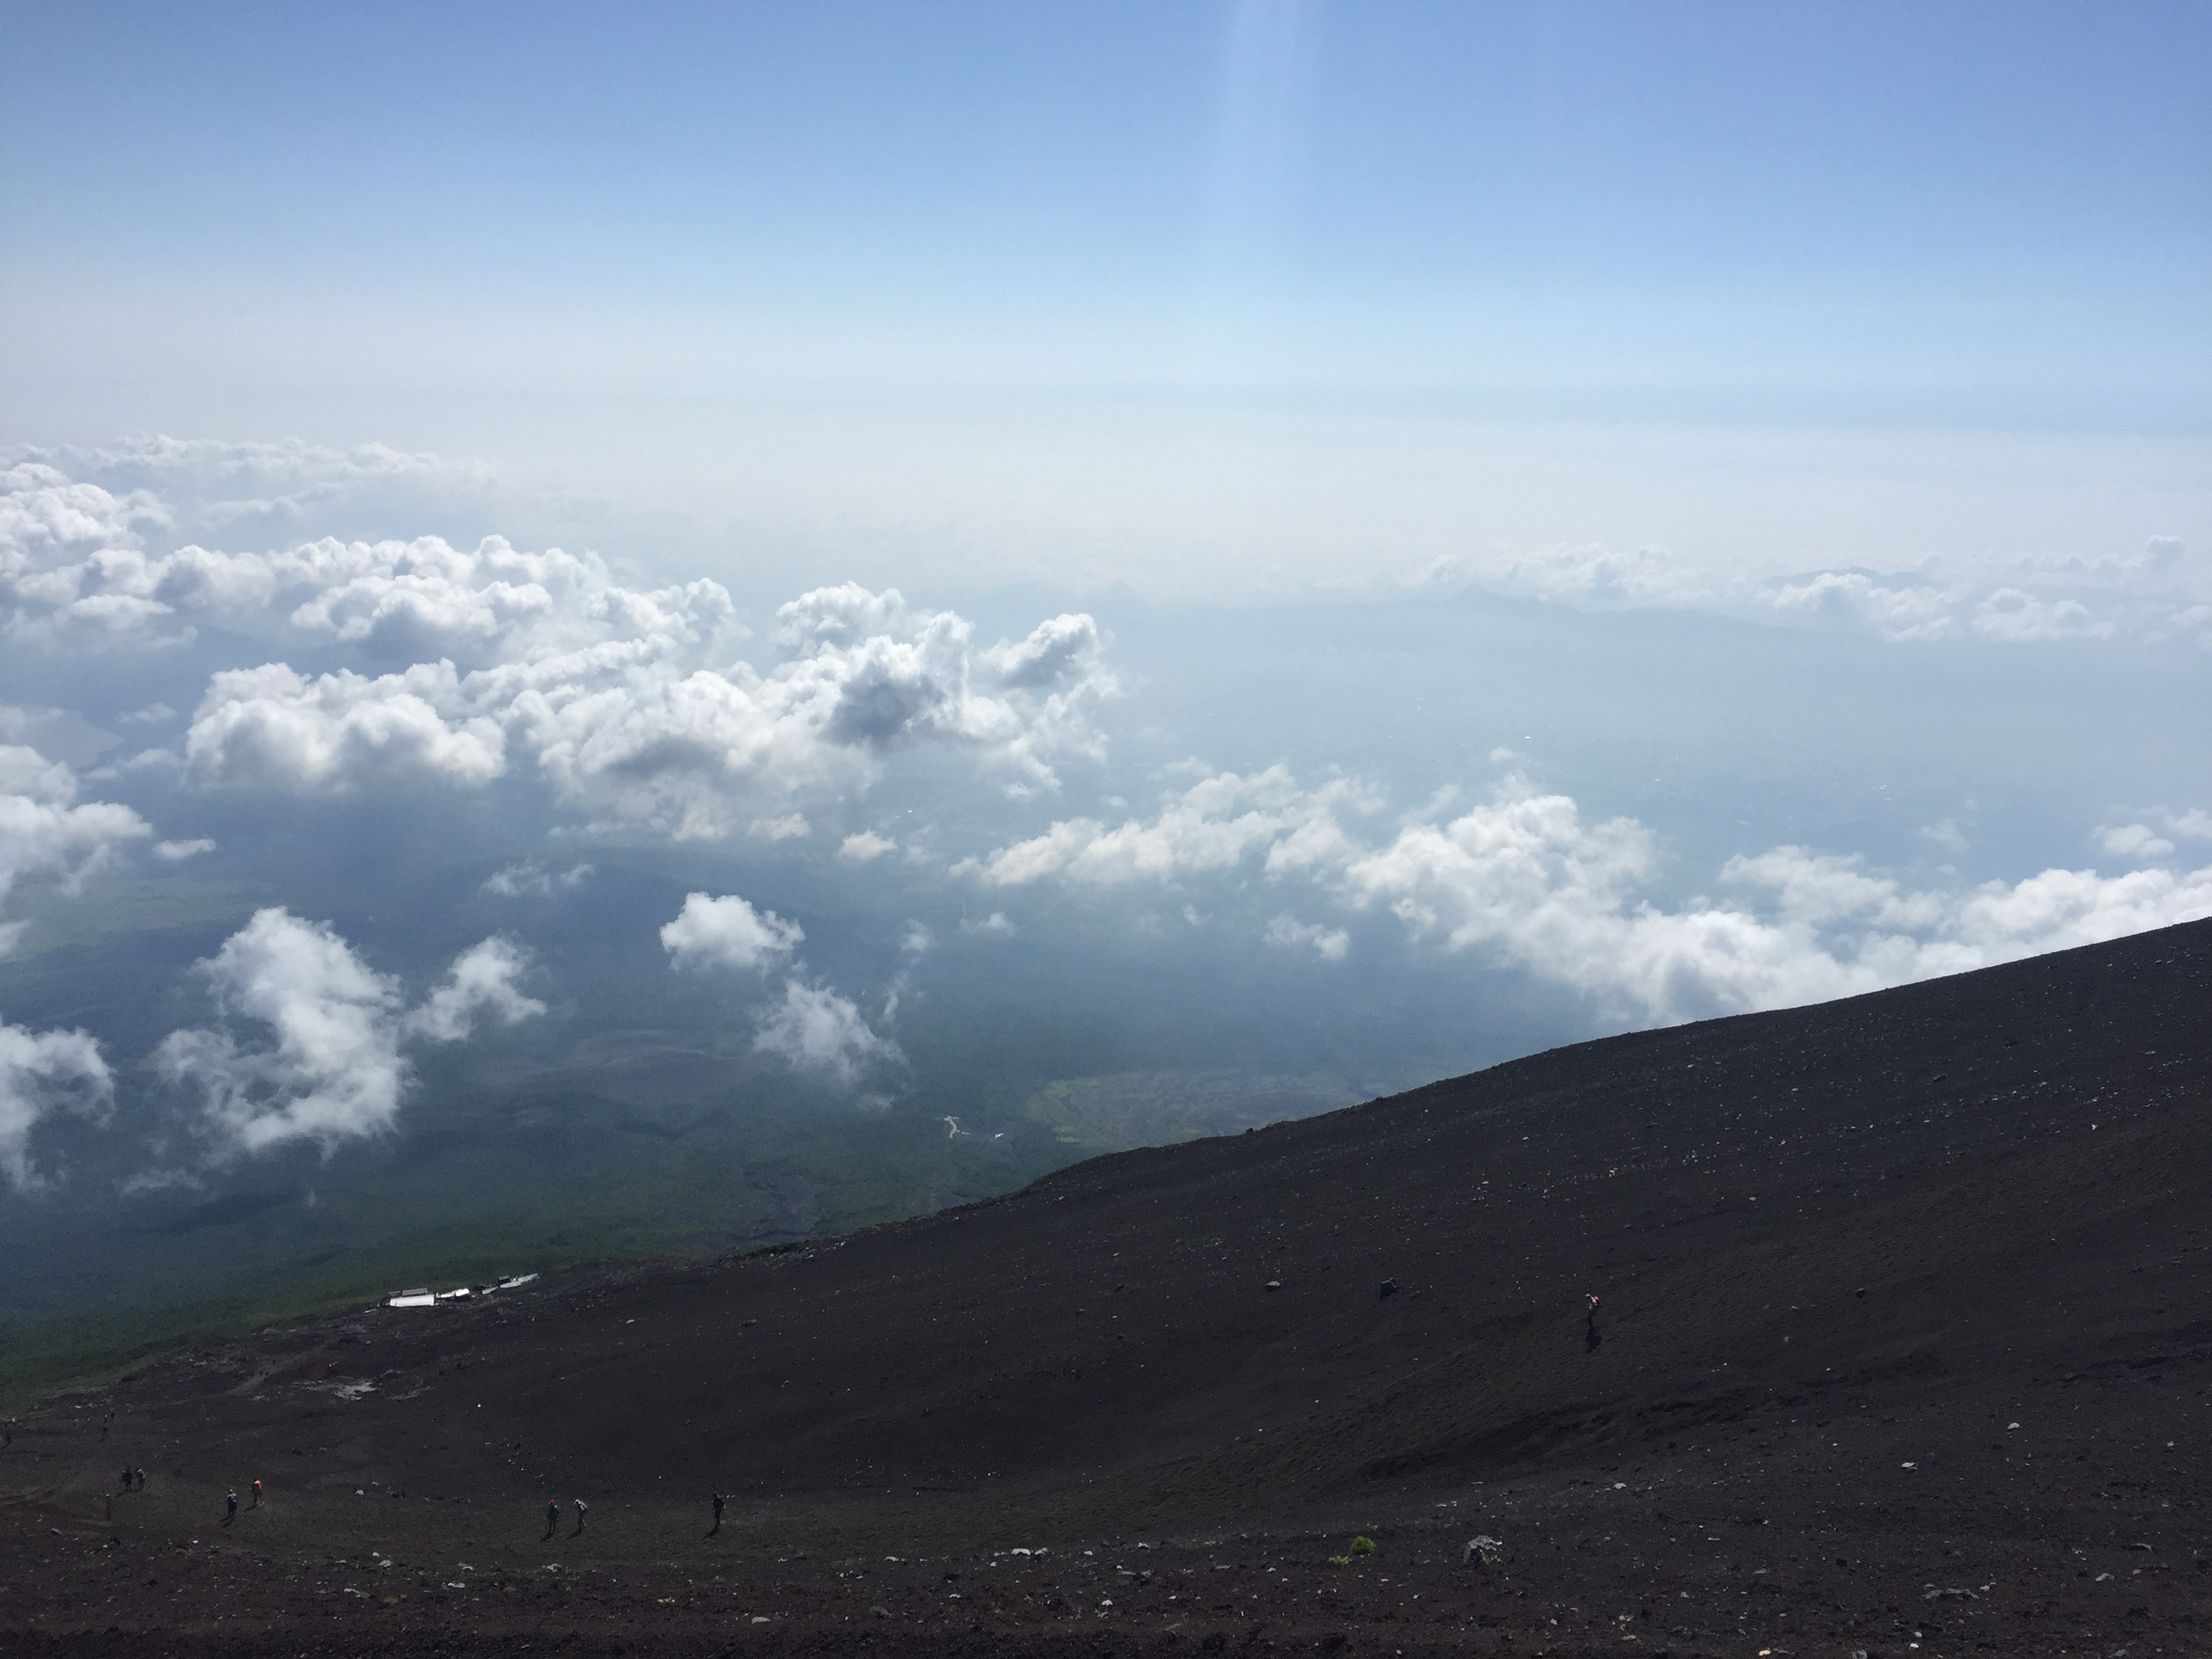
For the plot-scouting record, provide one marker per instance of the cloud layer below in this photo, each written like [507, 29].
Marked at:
[628, 703]
[1526, 878]
[808, 1026]
[42, 1073]
[325, 1057]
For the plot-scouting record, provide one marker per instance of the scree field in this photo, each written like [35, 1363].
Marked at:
[1902, 1343]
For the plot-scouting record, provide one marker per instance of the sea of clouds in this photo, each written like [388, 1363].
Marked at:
[319, 666]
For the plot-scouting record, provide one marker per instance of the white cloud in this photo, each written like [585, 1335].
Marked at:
[176, 852]
[2145, 842]
[632, 727]
[1214, 825]
[44, 832]
[2011, 614]
[726, 932]
[2195, 824]
[2063, 907]
[42, 1073]
[810, 1027]
[2152, 593]
[26, 774]
[994, 926]
[271, 728]
[1287, 932]
[79, 530]
[476, 660]
[203, 482]
[1819, 888]
[1946, 833]
[1525, 877]
[482, 980]
[529, 879]
[814, 1029]
[915, 939]
[332, 1067]
[865, 845]
[2133, 840]
[1893, 607]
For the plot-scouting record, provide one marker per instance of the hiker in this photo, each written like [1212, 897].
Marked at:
[231, 1515]
[578, 1533]
[718, 1514]
[142, 1479]
[552, 1518]
[126, 1480]
[257, 1494]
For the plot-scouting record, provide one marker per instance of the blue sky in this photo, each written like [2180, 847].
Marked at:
[1912, 214]
[1647, 511]
[1180, 284]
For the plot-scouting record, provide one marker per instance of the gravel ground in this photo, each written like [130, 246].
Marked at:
[1904, 1349]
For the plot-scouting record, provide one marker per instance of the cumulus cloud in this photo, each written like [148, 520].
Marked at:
[271, 728]
[1525, 877]
[474, 661]
[624, 700]
[866, 845]
[331, 1066]
[808, 1026]
[815, 1029]
[1288, 932]
[176, 852]
[1894, 607]
[633, 728]
[1214, 825]
[2133, 840]
[44, 831]
[42, 1073]
[726, 932]
[101, 543]
[482, 980]
[2147, 843]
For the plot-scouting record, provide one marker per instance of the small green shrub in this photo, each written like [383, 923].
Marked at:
[1363, 1544]
[1340, 1560]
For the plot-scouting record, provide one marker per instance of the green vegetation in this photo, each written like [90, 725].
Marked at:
[491, 1184]
[639, 1144]
[1363, 1544]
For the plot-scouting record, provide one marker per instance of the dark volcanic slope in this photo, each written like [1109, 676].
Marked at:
[1840, 1250]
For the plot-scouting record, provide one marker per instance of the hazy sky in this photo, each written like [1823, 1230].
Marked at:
[1670, 510]
[1215, 299]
